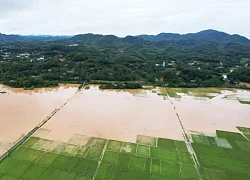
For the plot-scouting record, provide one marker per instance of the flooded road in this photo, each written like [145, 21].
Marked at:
[21, 111]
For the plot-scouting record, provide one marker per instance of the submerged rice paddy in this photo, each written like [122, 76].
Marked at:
[21, 111]
[138, 135]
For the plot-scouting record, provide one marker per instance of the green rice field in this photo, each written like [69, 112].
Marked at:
[224, 157]
[149, 158]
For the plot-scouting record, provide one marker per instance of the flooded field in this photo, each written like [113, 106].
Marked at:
[21, 111]
[223, 112]
[115, 115]
[137, 134]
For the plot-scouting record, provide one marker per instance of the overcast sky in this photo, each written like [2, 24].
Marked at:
[123, 17]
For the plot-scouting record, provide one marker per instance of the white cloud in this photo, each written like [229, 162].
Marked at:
[121, 17]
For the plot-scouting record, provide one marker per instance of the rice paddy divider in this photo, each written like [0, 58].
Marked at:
[245, 137]
[24, 138]
[101, 157]
[186, 136]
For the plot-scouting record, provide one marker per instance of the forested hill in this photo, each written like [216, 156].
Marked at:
[41, 61]
[175, 48]
[207, 35]
[111, 40]
[7, 38]
[106, 40]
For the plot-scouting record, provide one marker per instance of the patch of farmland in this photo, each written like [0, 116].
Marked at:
[226, 157]
[89, 157]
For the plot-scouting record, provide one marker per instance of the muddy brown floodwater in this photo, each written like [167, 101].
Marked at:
[115, 115]
[211, 115]
[21, 111]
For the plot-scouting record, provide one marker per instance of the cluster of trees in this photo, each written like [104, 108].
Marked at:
[242, 75]
[190, 77]
[125, 85]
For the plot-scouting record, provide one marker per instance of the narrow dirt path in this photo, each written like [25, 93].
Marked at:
[101, 157]
[187, 139]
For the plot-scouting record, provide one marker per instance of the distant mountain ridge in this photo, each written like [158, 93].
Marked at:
[98, 39]
[105, 40]
[13, 37]
[207, 35]
[4, 37]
